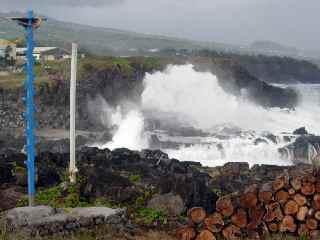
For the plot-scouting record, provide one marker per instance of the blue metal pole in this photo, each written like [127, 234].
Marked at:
[30, 111]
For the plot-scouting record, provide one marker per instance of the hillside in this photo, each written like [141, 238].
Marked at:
[108, 41]
[97, 40]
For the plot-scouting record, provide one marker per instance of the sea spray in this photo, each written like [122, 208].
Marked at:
[198, 95]
[197, 98]
[130, 132]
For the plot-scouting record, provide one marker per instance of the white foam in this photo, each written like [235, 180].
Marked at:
[130, 132]
[198, 99]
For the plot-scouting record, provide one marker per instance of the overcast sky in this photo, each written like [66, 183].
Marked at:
[291, 22]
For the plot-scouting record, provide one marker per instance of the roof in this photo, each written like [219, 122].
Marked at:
[4, 42]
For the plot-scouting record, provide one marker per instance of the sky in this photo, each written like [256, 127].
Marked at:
[290, 22]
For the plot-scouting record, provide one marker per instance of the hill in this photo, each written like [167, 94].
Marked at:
[108, 41]
[96, 40]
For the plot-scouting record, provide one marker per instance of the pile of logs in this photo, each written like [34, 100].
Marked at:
[287, 205]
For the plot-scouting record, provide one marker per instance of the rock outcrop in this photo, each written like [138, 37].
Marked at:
[305, 149]
[237, 80]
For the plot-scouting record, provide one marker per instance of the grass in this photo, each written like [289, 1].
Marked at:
[57, 198]
[135, 178]
[149, 216]
[17, 80]
[86, 67]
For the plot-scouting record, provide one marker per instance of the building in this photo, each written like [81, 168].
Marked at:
[45, 53]
[7, 48]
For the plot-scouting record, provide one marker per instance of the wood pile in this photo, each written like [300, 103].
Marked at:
[287, 205]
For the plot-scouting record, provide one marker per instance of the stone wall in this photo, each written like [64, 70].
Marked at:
[42, 221]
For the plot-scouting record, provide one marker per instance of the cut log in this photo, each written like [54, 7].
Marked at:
[205, 235]
[282, 196]
[300, 199]
[265, 193]
[308, 179]
[185, 233]
[256, 215]
[316, 202]
[302, 213]
[311, 212]
[264, 231]
[265, 197]
[214, 223]
[317, 215]
[288, 224]
[291, 191]
[291, 207]
[312, 224]
[308, 189]
[279, 183]
[239, 218]
[303, 231]
[248, 200]
[224, 206]
[231, 232]
[252, 189]
[273, 227]
[274, 212]
[253, 225]
[197, 214]
[296, 183]
[253, 235]
[318, 186]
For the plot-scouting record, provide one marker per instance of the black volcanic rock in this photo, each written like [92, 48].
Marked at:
[300, 131]
[121, 176]
[237, 80]
[305, 149]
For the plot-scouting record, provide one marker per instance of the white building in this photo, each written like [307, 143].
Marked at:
[45, 53]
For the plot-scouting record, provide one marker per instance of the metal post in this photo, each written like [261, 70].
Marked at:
[30, 111]
[72, 168]
[30, 23]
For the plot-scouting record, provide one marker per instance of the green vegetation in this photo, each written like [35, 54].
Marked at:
[217, 191]
[57, 198]
[149, 216]
[102, 202]
[135, 178]
[52, 71]
[16, 80]
[99, 41]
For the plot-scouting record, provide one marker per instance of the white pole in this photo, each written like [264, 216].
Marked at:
[72, 167]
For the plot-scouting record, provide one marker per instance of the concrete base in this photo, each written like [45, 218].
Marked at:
[46, 221]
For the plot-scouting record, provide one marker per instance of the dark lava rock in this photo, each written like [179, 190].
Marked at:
[113, 169]
[121, 176]
[272, 138]
[10, 196]
[305, 149]
[237, 80]
[5, 172]
[300, 131]
[257, 141]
